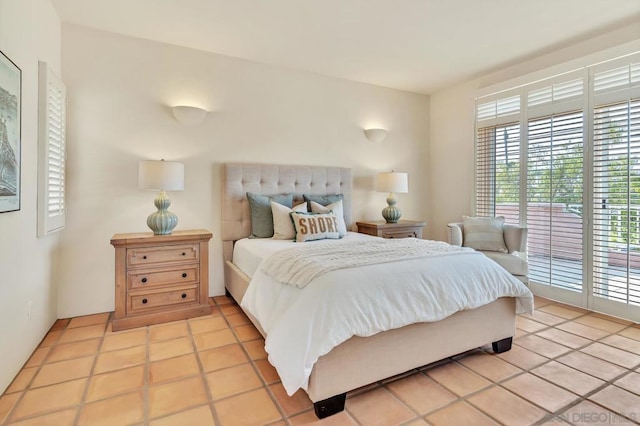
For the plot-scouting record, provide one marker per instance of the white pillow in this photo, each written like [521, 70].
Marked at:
[484, 233]
[315, 226]
[282, 224]
[335, 207]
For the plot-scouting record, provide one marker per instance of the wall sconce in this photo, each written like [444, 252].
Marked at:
[375, 135]
[189, 115]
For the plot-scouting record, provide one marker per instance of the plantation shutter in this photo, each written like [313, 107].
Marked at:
[616, 225]
[52, 152]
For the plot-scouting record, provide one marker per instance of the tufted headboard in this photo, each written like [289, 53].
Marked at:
[268, 179]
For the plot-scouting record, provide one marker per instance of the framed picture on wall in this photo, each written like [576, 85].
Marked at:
[10, 99]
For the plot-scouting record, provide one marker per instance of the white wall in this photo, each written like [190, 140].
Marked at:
[119, 90]
[451, 142]
[29, 31]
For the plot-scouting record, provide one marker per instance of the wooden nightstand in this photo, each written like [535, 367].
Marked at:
[402, 229]
[161, 278]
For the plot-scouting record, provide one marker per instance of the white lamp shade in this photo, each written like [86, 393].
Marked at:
[189, 115]
[375, 135]
[393, 182]
[164, 175]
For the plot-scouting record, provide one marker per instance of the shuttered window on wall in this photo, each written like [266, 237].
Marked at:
[51, 152]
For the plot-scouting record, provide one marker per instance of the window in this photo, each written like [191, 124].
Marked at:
[51, 152]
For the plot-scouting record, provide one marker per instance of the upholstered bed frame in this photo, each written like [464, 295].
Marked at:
[360, 360]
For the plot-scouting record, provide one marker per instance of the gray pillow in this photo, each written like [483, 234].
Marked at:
[261, 216]
[323, 200]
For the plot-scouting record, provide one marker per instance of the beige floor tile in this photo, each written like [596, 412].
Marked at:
[591, 365]
[522, 357]
[562, 311]
[22, 380]
[123, 358]
[541, 346]
[255, 349]
[610, 318]
[540, 392]
[246, 333]
[38, 357]
[176, 396]
[51, 338]
[624, 343]
[583, 330]
[267, 371]
[630, 382]
[233, 380]
[609, 353]
[489, 366]
[121, 410]
[541, 301]
[110, 384]
[123, 340]
[64, 351]
[378, 407]
[421, 393]
[568, 378]
[7, 402]
[82, 333]
[214, 339]
[170, 348]
[199, 416]
[230, 309]
[529, 325]
[226, 356]
[544, 318]
[619, 401]
[86, 320]
[50, 398]
[233, 411]
[457, 379]
[586, 413]
[291, 405]
[60, 324]
[63, 371]
[207, 324]
[59, 418]
[309, 418]
[631, 332]
[602, 324]
[168, 331]
[238, 319]
[506, 407]
[459, 414]
[563, 337]
[520, 333]
[173, 368]
[223, 300]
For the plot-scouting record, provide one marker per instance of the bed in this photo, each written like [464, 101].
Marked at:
[357, 361]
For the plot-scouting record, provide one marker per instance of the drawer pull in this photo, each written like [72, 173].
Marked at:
[184, 254]
[184, 295]
[144, 257]
[144, 301]
[144, 279]
[184, 275]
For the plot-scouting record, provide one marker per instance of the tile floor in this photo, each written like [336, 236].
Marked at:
[567, 366]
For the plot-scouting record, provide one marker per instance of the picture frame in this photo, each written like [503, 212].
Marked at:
[10, 134]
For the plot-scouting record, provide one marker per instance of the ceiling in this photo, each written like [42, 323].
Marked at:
[414, 45]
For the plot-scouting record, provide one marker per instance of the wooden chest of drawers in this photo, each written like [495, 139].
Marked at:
[402, 229]
[161, 278]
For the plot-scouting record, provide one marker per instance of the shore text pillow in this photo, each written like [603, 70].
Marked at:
[315, 226]
[484, 233]
[335, 207]
[282, 224]
[261, 216]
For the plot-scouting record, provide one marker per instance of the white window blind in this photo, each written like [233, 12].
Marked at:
[51, 151]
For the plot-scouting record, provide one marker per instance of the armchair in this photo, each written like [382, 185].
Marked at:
[515, 238]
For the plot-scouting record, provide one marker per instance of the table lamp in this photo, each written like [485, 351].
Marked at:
[392, 182]
[164, 176]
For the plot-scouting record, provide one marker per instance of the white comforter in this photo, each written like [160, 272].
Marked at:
[304, 324]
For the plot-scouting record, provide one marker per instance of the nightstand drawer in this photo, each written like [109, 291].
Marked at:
[162, 255]
[154, 277]
[146, 301]
[400, 234]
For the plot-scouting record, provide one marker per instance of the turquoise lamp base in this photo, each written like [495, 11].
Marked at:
[163, 221]
[391, 213]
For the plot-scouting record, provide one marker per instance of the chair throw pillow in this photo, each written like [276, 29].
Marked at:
[261, 216]
[282, 224]
[484, 233]
[315, 226]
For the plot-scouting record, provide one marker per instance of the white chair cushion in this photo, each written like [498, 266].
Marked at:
[484, 233]
[512, 263]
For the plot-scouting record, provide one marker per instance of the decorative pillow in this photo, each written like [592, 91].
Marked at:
[282, 224]
[484, 233]
[261, 216]
[314, 226]
[322, 199]
[335, 207]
